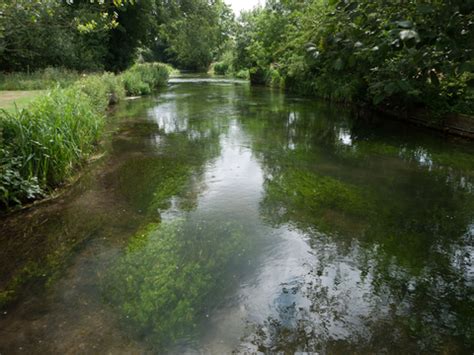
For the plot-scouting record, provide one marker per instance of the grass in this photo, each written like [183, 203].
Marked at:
[9, 100]
[142, 79]
[48, 135]
[39, 80]
[42, 145]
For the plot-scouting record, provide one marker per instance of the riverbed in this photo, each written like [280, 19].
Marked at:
[229, 218]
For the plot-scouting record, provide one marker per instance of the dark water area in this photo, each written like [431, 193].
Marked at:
[225, 218]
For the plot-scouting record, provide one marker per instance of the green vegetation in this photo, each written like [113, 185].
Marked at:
[171, 273]
[43, 144]
[388, 55]
[47, 78]
[9, 100]
[393, 57]
[111, 35]
[142, 79]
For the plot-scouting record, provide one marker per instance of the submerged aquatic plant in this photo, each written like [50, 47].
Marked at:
[168, 276]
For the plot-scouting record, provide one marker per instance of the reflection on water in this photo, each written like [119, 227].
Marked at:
[236, 219]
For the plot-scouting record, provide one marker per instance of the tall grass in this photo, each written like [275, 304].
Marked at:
[39, 80]
[48, 140]
[102, 89]
[42, 145]
[142, 79]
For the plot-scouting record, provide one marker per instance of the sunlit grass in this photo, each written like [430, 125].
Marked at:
[9, 100]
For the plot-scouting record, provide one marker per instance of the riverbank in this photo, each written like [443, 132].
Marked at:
[453, 124]
[45, 143]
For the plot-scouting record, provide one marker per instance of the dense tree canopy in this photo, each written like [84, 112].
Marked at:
[95, 35]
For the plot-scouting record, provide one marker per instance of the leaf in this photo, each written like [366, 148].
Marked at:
[409, 35]
[351, 6]
[404, 85]
[338, 64]
[434, 78]
[424, 8]
[378, 99]
[404, 24]
[391, 88]
[467, 67]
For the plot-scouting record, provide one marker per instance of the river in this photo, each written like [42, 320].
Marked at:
[228, 218]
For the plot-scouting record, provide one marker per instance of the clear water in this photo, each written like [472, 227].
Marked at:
[228, 218]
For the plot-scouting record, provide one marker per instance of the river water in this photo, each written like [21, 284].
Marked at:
[228, 218]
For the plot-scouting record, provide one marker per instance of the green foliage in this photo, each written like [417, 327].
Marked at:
[221, 68]
[98, 35]
[15, 188]
[243, 74]
[191, 34]
[47, 78]
[102, 89]
[44, 143]
[37, 34]
[382, 54]
[142, 79]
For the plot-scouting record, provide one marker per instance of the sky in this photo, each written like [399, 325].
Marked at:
[238, 5]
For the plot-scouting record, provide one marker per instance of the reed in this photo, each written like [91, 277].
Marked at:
[42, 145]
[45, 143]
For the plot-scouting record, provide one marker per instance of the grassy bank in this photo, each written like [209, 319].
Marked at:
[42, 145]
[39, 80]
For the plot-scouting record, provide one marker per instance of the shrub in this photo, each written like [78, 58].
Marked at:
[15, 188]
[134, 85]
[102, 89]
[141, 79]
[115, 87]
[221, 68]
[243, 74]
[42, 145]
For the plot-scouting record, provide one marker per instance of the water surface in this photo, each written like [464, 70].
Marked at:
[228, 218]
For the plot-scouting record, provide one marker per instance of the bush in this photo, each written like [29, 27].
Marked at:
[243, 74]
[142, 79]
[102, 89]
[42, 145]
[134, 85]
[221, 68]
[15, 188]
